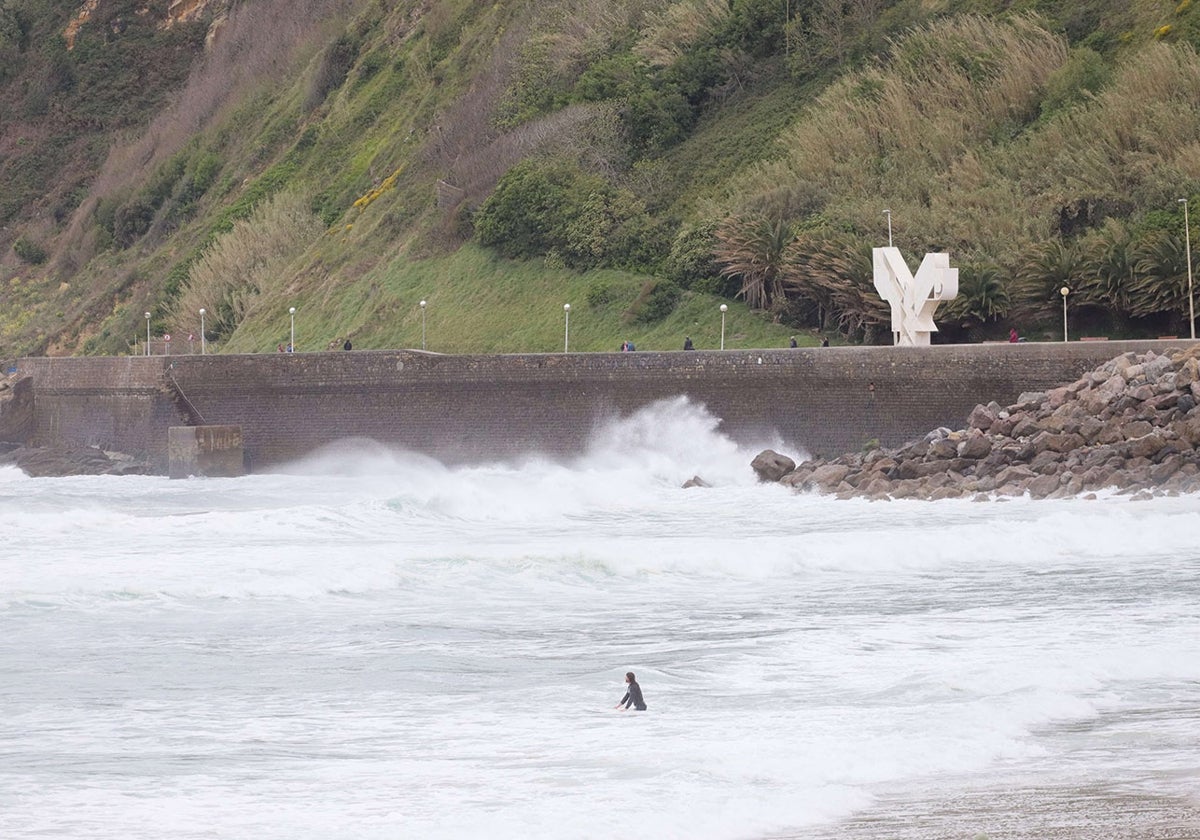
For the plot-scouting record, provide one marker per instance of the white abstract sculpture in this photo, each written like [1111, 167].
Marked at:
[913, 299]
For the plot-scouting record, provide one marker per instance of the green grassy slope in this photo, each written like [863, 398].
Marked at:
[652, 141]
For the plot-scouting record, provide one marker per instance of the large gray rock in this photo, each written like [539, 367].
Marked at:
[769, 465]
[45, 462]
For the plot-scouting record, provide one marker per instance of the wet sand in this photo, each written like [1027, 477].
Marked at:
[1027, 814]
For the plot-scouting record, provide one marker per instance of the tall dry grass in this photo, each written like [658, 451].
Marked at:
[244, 263]
[1136, 141]
[671, 30]
[945, 88]
[911, 133]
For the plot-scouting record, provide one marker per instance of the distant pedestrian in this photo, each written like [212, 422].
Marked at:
[279, 348]
[687, 344]
[633, 694]
[1013, 338]
[792, 342]
[347, 345]
[824, 342]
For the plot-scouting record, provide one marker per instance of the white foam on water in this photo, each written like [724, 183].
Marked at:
[372, 644]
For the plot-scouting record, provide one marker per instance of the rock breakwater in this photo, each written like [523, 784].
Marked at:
[1130, 425]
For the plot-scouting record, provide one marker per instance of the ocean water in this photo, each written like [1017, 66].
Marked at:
[370, 644]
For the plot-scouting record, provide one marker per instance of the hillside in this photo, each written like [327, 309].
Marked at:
[643, 162]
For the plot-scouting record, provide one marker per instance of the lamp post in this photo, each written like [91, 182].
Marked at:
[292, 340]
[566, 327]
[202, 344]
[422, 325]
[1187, 237]
[888, 213]
[147, 333]
[724, 309]
[1064, 291]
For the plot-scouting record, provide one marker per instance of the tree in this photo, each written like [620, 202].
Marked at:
[835, 271]
[751, 248]
[1044, 271]
[1160, 285]
[1108, 272]
[982, 295]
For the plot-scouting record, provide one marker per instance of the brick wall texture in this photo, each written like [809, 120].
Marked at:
[472, 408]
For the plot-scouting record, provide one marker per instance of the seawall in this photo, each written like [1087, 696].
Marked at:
[475, 408]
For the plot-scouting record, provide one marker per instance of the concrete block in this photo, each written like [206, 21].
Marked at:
[211, 451]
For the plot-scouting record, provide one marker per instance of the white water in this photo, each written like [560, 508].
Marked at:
[375, 646]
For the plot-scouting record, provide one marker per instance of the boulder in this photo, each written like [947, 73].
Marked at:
[828, 476]
[981, 417]
[52, 462]
[769, 465]
[975, 447]
[695, 481]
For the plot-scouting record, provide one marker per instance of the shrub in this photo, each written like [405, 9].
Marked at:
[599, 294]
[131, 220]
[332, 68]
[29, 251]
[544, 207]
[1084, 73]
[659, 302]
[527, 213]
[691, 259]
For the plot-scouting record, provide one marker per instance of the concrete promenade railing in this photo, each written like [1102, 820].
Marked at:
[473, 408]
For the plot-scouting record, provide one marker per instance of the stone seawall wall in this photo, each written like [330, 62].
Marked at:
[115, 403]
[470, 408]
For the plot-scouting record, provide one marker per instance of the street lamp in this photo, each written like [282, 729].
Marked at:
[1187, 236]
[724, 309]
[1064, 291]
[566, 326]
[888, 213]
[202, 345]
[292, 340]
[147, 333]
[422, 325]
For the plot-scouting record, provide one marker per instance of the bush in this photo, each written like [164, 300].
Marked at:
[528, 212]
[132, 220]
[29, 251]
[1084, 73]
[332, 69]
[539, 208]
[691, 258]
[599, 294]
[659, 302]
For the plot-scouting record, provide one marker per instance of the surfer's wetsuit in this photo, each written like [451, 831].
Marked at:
[633, 696]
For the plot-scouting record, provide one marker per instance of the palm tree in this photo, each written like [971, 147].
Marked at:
[835, 271]
[1160, 285]
[1046, 269]
[1108, 269]
[750, 249]
[982, 295]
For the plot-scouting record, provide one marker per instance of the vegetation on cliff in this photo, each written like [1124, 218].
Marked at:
[640, 160]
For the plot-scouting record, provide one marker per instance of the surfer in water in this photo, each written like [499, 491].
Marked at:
[633, 695]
